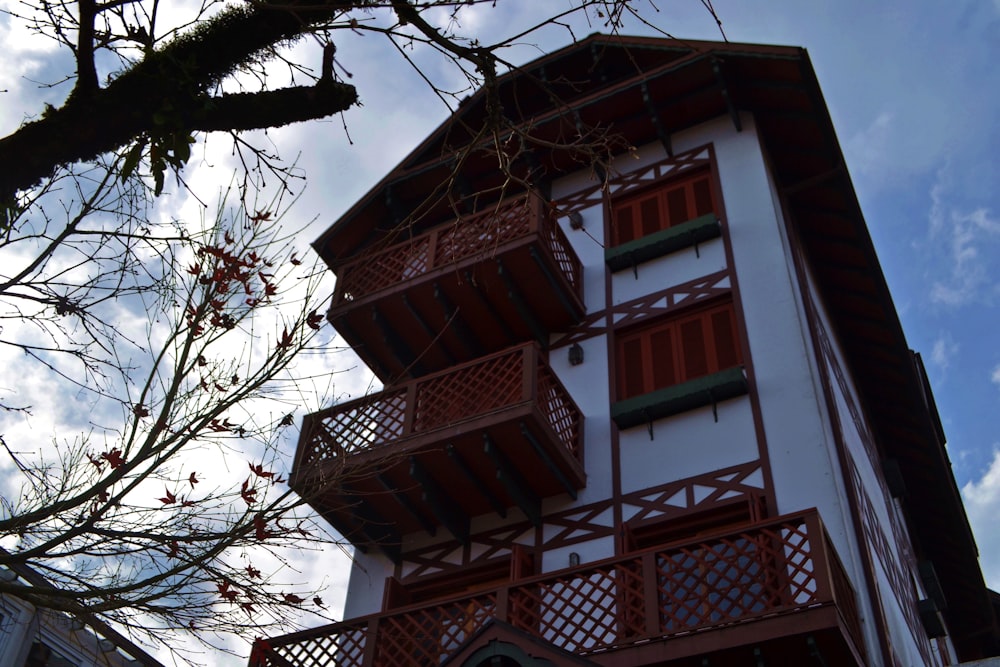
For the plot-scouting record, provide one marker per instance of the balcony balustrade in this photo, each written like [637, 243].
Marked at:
[495, 433]
[464, 289]
[778, 584]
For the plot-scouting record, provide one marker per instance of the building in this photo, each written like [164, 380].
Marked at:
[35, 637]
[657, 412]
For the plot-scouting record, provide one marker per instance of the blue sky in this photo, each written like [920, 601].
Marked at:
[914, 95]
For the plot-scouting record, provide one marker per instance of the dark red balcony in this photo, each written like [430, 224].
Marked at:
[485, 436]
[776, 590]
[465, 289]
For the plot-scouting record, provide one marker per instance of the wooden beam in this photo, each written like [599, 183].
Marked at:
[488, 305]
[440, 503]
[554, 284]
[404, 355]
[452, 319]
[495, 502]
[433, 335]
[517, 488]
[406, 503]
[547, 461]
[521, 306]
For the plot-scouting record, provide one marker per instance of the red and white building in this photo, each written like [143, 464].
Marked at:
[660, 412]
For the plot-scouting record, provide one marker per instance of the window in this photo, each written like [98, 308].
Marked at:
[667, 205]
[678, 349]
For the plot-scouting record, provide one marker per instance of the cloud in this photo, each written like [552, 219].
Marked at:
[943, 351]
[868, 150]
[982, 503]
[964, 234]
[995, 377]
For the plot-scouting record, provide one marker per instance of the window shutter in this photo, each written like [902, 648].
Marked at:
[674, 350]
[693, 347]
[663, 368]
[630, 370]
[726, 350]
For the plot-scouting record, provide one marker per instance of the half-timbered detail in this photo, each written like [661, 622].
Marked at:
[652, 412]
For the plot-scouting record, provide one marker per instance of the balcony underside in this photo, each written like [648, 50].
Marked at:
[813, 637]
[492, 463]
[508, 294]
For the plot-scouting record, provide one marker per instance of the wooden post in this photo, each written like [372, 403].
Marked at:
[650, 594]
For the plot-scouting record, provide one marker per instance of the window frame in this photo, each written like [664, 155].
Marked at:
[682, 365]
[667, 215]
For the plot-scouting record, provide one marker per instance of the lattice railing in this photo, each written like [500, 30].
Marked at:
[778, 567]
[478, 236]
[434, 401]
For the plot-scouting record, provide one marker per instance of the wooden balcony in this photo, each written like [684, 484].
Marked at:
[464, 289]
[776, 590]
[485, 436]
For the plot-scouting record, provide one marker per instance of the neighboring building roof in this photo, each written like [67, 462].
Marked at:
[650, 89]
[84, 632]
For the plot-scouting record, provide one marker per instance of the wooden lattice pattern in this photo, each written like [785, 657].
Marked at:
[429, 635]
[357, 426]
[768, 569]
[561, 251]
[346, 648]
[384, 269]
[471, 390]
[585, 611]
[478, 236]
[559, 409]
[468, 390]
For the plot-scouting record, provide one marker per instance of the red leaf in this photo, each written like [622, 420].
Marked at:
[260, 527]
[140, 411]
[114, 458]
[318, 601]
[194, 269]
[248, 493]
[227, 237]
[168, 499]
[193, 479]
[259, 471]
[97, 464]
[253, 572]
[286, 338]
[314, 320]
[287, 420]
[226, 592]
[291, 598]
[174, 549]
[294, 260]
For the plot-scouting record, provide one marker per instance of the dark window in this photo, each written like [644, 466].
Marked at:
[678, 200]
[677, 349]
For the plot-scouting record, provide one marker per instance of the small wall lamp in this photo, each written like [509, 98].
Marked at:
[575, 354]
[574, 559]
[575, 220]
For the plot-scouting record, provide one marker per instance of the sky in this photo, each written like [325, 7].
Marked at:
[914, 96]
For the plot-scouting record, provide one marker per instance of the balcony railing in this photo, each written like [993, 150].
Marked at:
[768, 572]
[447, 246]
[460, 426]
[460, 291]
